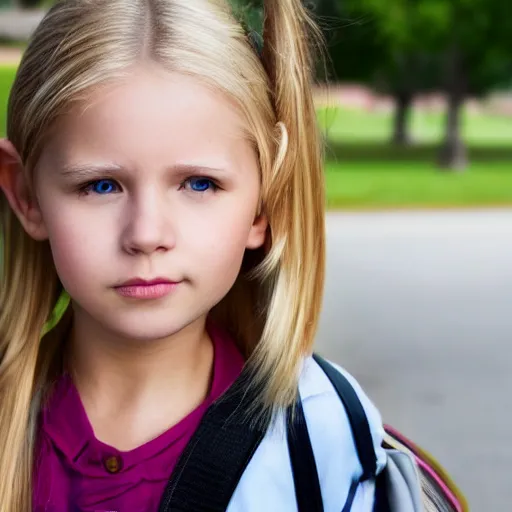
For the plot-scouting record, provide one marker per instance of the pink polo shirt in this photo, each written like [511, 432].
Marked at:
[75, 472]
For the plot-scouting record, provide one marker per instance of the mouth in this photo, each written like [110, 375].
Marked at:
[139, 288]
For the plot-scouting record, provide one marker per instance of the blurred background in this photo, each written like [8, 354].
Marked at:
[415, 101]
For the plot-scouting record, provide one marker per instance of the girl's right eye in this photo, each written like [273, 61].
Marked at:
[101, 187]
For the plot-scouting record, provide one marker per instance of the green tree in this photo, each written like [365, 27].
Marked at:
[365, 46]
[461, 45]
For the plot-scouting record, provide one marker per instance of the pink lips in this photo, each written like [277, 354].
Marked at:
[142, 289]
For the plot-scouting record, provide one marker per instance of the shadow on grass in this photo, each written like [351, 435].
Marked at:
[428, 153]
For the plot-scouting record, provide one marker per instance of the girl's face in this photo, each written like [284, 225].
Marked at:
[153, 180]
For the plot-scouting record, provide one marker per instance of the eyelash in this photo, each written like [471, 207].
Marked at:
[88, 187]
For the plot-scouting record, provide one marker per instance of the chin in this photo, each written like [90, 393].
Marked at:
[151, 330]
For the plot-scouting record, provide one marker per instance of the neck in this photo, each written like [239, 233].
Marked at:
[149, 385]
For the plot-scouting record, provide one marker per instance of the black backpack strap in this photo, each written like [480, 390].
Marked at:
[302, 458]
[212, 464]
[305, 473]
[214, 460]
[356, 416]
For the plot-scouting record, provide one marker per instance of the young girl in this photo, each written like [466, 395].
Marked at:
[163, 226]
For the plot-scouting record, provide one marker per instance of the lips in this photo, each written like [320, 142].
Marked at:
[138, 288]
[143, 282]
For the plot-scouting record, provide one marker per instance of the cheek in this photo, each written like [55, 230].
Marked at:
[219, 243]
[78, 247]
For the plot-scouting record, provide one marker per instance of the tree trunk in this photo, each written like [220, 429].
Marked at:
[403, 103]
[403, 93]
[28, 4]
[453, 153]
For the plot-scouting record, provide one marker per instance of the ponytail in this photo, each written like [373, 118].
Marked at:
[294, 201]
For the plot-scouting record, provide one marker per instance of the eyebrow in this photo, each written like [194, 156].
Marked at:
[201, 170]
[88, 171]
[84, 171]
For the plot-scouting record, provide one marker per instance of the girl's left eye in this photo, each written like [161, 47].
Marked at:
[101, 187]
[199, 184]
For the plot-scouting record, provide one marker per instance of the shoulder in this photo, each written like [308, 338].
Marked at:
[335, 452]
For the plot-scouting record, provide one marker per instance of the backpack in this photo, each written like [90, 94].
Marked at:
[213, 462]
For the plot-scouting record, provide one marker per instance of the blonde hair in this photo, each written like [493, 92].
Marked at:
[273, 308]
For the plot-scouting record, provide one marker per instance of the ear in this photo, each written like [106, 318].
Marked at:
[17, 190]
[258, 232]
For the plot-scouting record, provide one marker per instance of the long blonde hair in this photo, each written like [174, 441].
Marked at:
[273, 308]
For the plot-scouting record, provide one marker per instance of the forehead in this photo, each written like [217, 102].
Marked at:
[152, 115]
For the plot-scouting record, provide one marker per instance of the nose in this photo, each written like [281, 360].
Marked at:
[148, 228]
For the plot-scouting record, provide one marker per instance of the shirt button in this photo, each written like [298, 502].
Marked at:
[113, 464]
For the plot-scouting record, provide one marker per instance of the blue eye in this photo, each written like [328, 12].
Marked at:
[102, 187]
[201, 184]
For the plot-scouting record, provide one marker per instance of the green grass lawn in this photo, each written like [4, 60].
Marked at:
[364, 171]
[6, 78]
[358, 126]
[402, 184]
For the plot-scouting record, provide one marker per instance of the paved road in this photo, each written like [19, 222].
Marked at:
[419, 308]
